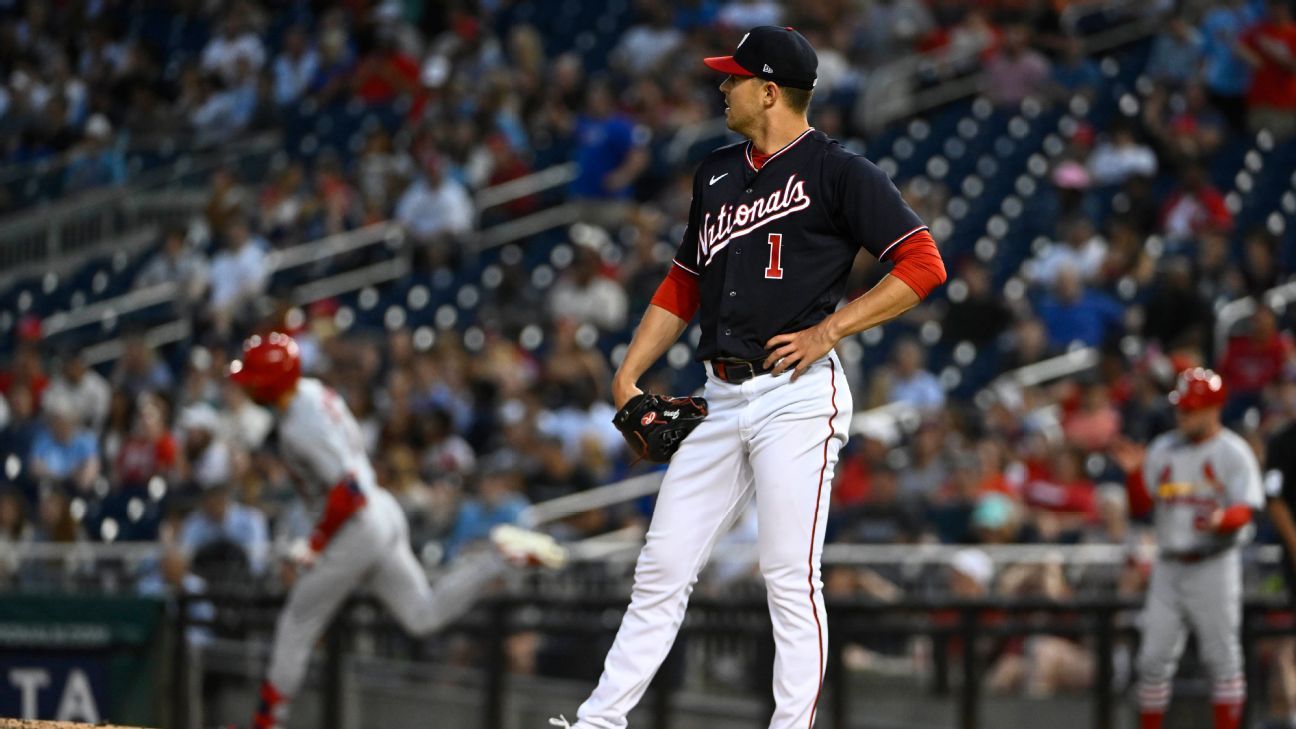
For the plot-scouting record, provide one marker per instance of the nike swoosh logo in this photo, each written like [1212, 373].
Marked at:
[717, 178]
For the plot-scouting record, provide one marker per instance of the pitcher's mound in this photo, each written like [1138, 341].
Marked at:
[34, 724]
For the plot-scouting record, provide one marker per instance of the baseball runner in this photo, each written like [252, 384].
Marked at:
[361, 539]
[774, 227]
[1204, 481]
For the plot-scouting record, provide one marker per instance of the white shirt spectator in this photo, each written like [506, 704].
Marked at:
[90, 395]
[750, 14]
[921, 389]
[428, 211]
[1112, 164]
[223, 53]
[237, 275]
[1086, 260]
[599, 301]
[644, 47]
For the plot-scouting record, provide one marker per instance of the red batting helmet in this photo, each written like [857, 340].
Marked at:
[1198, 388]
[270, 367]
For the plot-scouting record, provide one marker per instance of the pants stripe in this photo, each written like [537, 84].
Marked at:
[813, 527]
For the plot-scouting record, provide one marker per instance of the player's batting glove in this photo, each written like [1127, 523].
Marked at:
[655, 425]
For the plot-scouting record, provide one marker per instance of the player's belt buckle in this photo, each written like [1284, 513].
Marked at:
[736, 371]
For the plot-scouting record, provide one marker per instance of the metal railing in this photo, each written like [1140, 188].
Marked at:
[42, 238]
[892, 91]
[962, 633]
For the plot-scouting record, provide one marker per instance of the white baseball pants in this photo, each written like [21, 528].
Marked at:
[372, 550]
[773, 439]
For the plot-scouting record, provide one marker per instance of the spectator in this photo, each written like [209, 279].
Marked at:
[87, 391]
[1176, 54]
[54, 520]
[1226, 74]
[62, 451]
[234, 44]
[1176, 311]
[238, 275]
[1016, 71]
[585, 295]
[176, 263]
[610, 152]
[1194, 208]
[386, 73]
[436, 212]
[150, 450]
[1095, 423]
[295, 67]
[1255, 360]
[1075, 314]
[219, 518]
[97, 160]
[645, 46]
[139, 369]
[1075, 73]
[1122, 157]
[1270, 49]
[910, 382]
[1189, 134]
[1260, 265]
[929, 470]
[745, 14]
[14, 524]
[1081, 250]
[27, 371]
[445, 452]
[498, 500]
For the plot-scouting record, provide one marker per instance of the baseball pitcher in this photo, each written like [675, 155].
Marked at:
[361, 539]
[775, 225]
[1201, 481]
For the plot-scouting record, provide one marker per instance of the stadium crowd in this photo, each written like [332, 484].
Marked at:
[467, 435]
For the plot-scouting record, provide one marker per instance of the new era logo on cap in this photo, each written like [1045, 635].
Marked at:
[767, 47]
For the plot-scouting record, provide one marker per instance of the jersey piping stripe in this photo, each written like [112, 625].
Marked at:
[900, 240]
[686, 268]
[832, 368]
[786, 147]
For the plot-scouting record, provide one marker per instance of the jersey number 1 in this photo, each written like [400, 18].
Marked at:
[775, 269]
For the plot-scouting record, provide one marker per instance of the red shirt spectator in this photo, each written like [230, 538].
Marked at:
[149, 451]
[385, 75]
[1253, 361]
[1272, 43]
[1195, 207]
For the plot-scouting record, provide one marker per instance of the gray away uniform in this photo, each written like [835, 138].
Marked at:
[1197, 580]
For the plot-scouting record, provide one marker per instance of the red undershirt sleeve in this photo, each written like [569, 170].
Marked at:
[1140, 503]
[1234, 518]
[918, 263]
[678, 293]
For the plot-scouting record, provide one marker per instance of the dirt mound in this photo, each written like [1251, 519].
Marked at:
[33, 724]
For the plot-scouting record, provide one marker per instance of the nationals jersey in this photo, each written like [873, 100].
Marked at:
[320, 441]
[1188, 481]
[772, 247]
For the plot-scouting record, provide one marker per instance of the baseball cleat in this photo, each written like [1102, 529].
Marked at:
[527, 548]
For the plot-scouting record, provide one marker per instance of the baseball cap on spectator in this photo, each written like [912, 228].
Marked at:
[776, 54]
[992, 511]
[973, 564]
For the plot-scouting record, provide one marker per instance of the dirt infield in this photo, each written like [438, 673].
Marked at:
[31, 724]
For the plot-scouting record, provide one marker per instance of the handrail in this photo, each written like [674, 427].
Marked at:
[299, 255]
[889, 95]
[506, 192]
[1235, 311]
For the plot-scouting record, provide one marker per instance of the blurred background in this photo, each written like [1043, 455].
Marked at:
[461, 208]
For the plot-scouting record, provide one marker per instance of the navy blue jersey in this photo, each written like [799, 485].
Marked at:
[772, 247]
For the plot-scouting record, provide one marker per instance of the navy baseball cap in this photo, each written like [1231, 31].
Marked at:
[776, 54]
